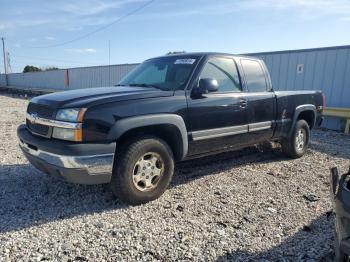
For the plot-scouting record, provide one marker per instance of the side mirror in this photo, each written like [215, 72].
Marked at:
[208, 85]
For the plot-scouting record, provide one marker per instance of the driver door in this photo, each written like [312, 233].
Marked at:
[218, 120]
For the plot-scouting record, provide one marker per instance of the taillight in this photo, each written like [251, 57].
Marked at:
[320, 108]
[323, 101]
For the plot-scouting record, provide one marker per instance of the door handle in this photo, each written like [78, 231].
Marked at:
[243, 103]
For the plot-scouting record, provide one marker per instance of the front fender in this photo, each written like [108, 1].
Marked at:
[127, 124]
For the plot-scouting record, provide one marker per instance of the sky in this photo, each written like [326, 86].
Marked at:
[35, 30]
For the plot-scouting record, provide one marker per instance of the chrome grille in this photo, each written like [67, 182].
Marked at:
[43, 111]
[39, 129]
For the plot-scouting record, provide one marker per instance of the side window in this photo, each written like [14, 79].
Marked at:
[254, 75]
[224, 70]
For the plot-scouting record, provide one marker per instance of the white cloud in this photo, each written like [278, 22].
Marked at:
[307, 8]
[67, 15]
[93, 7]
[50, 38]
[82, 14]
[82, 50]
[302, 9]
[5, 25]
[33, 22]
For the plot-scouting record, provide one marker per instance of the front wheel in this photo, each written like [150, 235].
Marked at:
[296, 145]
[143, 170]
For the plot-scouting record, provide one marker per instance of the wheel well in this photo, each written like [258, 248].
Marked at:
[167, 132]
[308, 116]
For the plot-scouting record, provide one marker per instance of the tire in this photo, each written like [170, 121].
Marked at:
[296, 145]
[143, 169]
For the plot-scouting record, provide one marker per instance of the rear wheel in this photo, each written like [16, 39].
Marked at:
[296, 145]
[142, 171]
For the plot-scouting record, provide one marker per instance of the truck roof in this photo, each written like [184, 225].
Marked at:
[202, 54]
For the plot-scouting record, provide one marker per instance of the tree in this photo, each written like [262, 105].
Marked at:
[51, 68]
[30, 68]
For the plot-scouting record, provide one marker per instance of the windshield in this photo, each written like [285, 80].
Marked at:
[165, 73]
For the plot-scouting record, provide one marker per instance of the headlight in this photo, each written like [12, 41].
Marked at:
[67, 134]
[71, 114]
[74, 115]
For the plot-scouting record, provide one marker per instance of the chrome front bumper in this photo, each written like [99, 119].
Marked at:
[87, 169]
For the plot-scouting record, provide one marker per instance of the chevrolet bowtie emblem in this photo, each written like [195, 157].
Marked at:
[33, 118]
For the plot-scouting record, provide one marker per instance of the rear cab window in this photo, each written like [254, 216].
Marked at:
[254, 75]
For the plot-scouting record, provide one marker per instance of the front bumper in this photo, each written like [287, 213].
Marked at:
[72, 162]
[341, 200]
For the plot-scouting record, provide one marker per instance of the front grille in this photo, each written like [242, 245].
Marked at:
[43, 111]
[38, 129]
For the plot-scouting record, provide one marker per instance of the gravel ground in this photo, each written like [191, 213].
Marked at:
[247, 205]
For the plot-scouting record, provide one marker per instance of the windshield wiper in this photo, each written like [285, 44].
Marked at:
[145, 85]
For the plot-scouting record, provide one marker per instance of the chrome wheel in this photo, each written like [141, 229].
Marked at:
[300, 140]
[148, 171]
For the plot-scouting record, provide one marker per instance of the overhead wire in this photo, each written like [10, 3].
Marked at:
[85, 36]
[98, 29]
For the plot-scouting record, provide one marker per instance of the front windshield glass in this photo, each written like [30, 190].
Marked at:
[166, 73]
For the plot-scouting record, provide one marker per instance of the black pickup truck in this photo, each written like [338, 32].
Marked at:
[168, 109]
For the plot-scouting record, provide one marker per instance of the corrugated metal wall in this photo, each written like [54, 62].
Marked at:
[66, 79]
[2, 80]
[48, 79]
[97, 76]
[326, 69]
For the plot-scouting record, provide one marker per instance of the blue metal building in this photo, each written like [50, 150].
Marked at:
[326, 69]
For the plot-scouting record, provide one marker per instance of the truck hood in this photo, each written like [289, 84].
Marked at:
[94, 96]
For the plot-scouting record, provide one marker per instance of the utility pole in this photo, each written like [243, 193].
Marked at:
[8, 60]
[4, 54]
[109, 61]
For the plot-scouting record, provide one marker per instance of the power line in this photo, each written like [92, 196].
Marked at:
[98, 29]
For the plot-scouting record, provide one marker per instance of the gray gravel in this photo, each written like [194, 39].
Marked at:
[253, 204]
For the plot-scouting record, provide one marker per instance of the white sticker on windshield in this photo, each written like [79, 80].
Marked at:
[185, 61]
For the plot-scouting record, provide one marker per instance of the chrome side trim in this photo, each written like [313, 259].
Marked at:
[229, 131]
[54, 123]
[92, 164]
[260, 126]
[219, 132]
